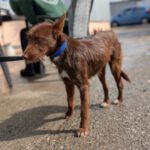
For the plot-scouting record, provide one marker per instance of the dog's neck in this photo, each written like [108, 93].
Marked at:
[59, 51]
[64, 46]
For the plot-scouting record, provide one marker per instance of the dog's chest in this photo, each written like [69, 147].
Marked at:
[64, 74]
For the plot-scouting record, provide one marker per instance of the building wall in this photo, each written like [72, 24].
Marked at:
[116, 7]
[100, 16]
[100, 10]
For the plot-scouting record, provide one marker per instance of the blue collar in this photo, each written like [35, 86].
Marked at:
[60, 50]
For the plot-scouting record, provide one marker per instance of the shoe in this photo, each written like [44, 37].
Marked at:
[28, 71]
[39, 67]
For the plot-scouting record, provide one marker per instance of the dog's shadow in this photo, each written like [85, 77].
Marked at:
[25, 123]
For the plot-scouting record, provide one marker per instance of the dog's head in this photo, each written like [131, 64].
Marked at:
[42, 39]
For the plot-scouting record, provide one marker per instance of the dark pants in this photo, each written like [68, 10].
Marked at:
[23, 38]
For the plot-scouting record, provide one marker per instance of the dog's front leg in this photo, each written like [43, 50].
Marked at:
[84, 94]
[70, 96]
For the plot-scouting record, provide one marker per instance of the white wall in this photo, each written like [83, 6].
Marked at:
[100, 10]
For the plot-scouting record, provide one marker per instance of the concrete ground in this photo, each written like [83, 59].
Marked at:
[31, 114]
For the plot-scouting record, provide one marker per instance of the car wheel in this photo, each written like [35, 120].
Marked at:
[144, 21]
[114, 24]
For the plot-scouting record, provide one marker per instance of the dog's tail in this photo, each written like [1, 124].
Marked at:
[125, 76]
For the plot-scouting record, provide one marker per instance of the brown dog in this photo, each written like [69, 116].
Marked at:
[77, 61]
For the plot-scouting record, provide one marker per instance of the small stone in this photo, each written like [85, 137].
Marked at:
[61, 147]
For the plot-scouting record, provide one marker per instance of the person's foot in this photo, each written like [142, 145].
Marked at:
[39, 67]
[28, 71]
[33, 69]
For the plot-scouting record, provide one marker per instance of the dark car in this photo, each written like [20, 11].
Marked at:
[5, 15]
[133, 15]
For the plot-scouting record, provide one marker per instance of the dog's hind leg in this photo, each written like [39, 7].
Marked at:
[70, 96]
[115, 66]
[101, 76]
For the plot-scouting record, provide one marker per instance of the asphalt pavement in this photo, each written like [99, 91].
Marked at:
[31, 115]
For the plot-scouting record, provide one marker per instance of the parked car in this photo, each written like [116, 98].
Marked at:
[5, 15]
[134, 15]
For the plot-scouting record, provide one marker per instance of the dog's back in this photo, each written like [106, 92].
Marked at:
[95, 51]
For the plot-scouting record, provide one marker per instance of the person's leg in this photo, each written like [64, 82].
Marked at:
[66, 28]
[23, 38]
[39, 67]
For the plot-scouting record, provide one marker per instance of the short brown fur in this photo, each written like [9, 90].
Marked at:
[80, 61]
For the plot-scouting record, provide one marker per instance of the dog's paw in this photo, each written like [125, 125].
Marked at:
[68, 114]
[116, 102]
[104, 105]
[81, 132]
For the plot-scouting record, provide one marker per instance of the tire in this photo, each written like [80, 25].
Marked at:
[114, 24]
[144, 21]
[79, 15]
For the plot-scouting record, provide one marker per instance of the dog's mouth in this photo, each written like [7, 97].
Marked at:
[33, 58]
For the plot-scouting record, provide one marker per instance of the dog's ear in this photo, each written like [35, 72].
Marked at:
[59, 25]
